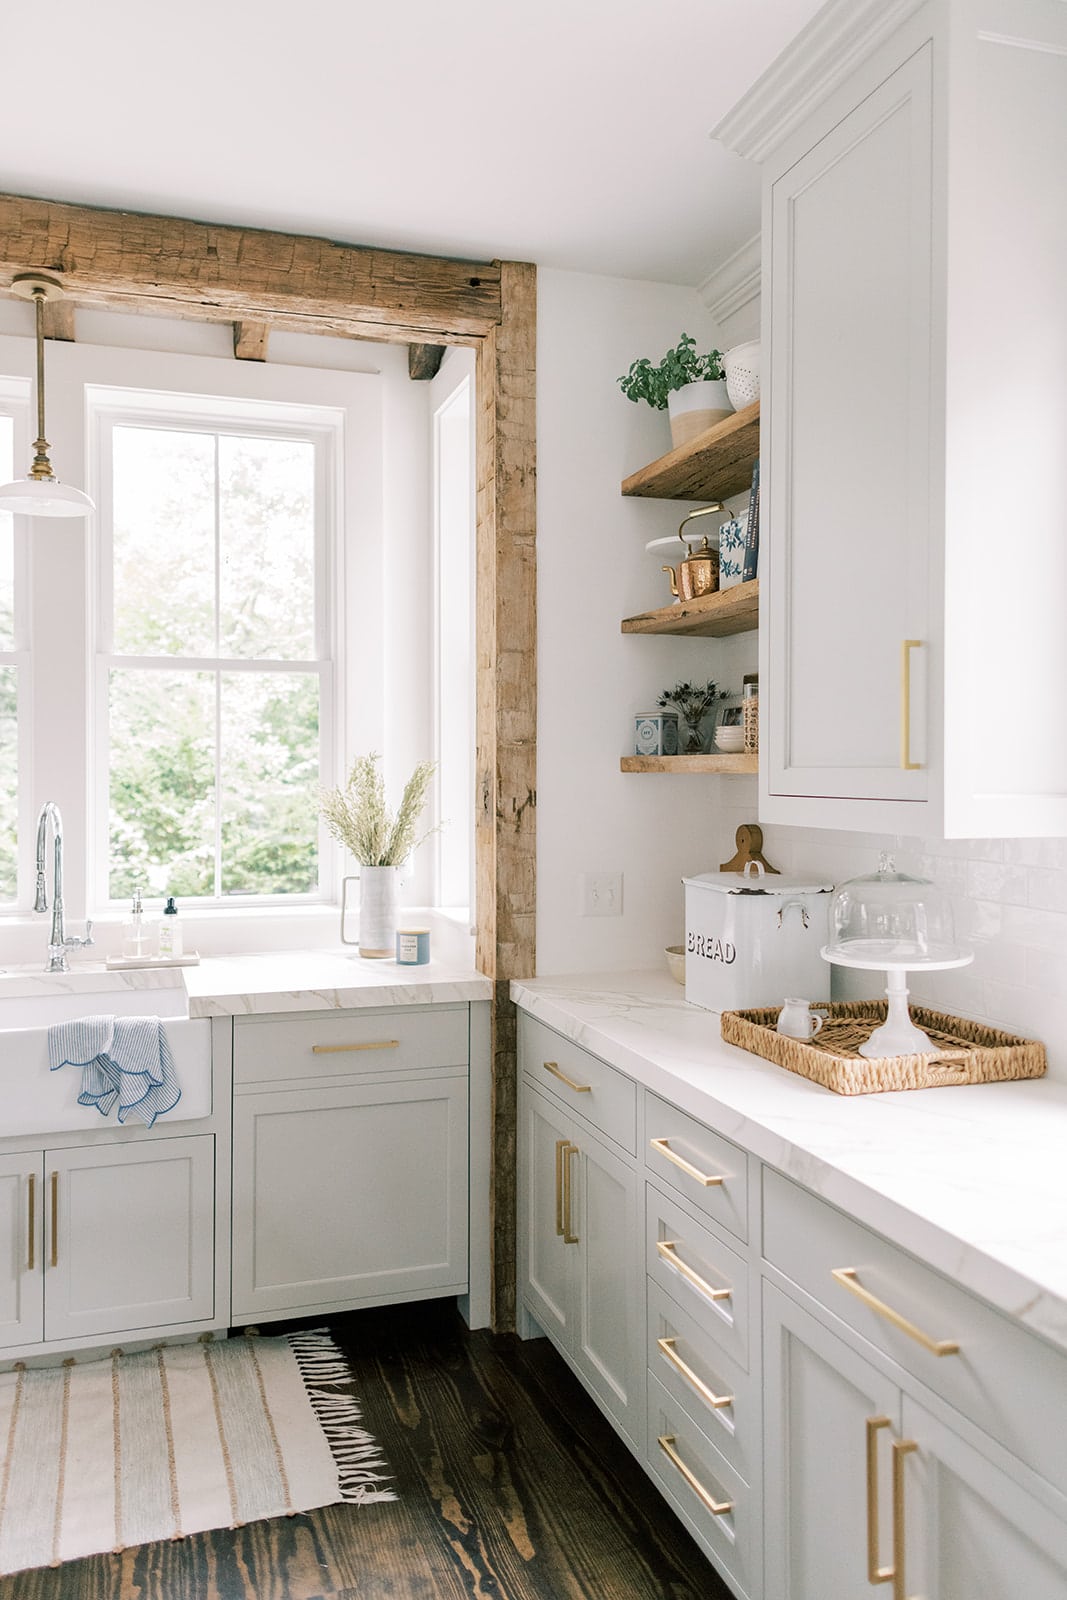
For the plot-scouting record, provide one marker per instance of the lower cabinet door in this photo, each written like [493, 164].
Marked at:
[970, 1530]
[547, 1247]
[824, 1536]
[609, 1347]
[129, 1236]
[21, 1284]
[349, 1195]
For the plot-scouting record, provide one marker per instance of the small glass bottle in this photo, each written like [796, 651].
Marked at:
[170, 930]
[750, 711]
[134, 932]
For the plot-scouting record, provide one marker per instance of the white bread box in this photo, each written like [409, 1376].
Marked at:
[753, 938]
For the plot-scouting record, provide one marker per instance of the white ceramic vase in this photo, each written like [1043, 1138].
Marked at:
[377, 911]
[695, 407]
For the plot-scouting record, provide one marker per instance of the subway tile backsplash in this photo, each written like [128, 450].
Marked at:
[1010, 902]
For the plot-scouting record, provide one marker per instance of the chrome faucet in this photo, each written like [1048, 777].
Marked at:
[58, 943]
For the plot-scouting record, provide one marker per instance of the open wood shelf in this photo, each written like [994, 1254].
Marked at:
[739, 763]
[713, 466]
[713, 616]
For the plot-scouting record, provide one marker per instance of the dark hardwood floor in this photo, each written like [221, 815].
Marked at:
[512, 1487]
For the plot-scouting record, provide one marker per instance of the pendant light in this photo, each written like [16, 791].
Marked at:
[41, 494]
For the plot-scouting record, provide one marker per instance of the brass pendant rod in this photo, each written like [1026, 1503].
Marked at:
[41, 467]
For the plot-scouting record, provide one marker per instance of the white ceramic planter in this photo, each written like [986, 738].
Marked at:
[695, 407]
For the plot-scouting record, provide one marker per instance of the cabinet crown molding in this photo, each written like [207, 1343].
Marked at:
[820, 57]
[734, 283]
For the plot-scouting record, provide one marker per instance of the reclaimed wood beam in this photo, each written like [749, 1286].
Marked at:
[424, 360]
[250, 340]
[506, 721]
[170, 265]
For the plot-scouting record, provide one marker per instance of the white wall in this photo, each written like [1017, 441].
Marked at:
[593, 571]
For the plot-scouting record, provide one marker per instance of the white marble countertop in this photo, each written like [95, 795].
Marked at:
[224, 986]
[971, 1179]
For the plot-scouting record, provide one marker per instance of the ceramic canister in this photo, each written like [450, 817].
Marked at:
[751, 941]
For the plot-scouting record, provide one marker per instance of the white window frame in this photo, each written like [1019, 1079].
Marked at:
[16, 403]
[323, 426]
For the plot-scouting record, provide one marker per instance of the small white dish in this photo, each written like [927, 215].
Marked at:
[729, 740]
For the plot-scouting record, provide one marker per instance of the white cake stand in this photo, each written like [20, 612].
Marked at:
[898, 1035]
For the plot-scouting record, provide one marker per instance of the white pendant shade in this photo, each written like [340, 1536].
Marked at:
[44, 497]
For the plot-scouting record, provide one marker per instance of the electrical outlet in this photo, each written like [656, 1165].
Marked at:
[601, 894]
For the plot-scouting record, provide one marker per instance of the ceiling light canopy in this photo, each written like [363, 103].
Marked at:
[40, 493]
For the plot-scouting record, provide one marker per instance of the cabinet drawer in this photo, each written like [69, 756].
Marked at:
[1001, 1377]
[344, 1043]
[684, 1155]
[714, 1502]
[701, 1378]
[584, 1084]
[694, 1267]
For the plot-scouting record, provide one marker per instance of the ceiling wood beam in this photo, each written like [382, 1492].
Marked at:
[124, 260]
[424, 360]
[250, 340]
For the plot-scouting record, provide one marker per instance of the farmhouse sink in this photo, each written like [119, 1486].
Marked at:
[34, 1100]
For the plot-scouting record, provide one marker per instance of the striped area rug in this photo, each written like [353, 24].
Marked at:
[99, 1455]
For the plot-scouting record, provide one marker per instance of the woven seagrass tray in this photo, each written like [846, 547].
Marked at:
[969, 1052]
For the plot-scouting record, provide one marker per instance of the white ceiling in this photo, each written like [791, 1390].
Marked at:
[572, 133]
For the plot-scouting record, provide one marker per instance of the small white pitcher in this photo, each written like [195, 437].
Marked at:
[797, 1021]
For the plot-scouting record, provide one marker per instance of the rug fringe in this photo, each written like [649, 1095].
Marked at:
[360, 1467]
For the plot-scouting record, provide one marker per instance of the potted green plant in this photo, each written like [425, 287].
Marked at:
[690, 387]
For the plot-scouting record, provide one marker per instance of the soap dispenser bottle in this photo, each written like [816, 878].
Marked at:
[170, 929]
[133, 930]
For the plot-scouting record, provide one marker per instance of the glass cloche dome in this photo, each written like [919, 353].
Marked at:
[889, 918]
[891, 922]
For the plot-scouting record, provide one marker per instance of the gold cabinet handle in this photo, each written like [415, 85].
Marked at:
[341, 1049]
[55, 1219]
[668, 1249]
[706, 1394]
[875, 1573]
[31, 1253]
[579, 1088]
[707, 1179]
[569, 1235]
[902, 1448]
[906, 647]
[846, 1277]
[718, 1508]
[561, 1145]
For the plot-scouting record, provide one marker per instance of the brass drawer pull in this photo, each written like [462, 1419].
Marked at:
[663, 1146]
[561, 1145]
[668, 1249]
[875, 1573]
[715, 1400]
[31, 1256]
[906, 647]
[579, 1088]
[718, 1508]
[901, 1449]
[341, 1049]
[569, 1235]
[846, 1277]
[55, 1219]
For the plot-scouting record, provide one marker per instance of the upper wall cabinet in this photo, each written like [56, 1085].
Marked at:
[914, 562]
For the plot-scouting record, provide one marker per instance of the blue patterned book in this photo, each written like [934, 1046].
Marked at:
[751, 561]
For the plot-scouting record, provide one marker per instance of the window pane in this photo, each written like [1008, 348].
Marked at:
[9, 781]
[7, 572]
[162, 779]
[267, 548]
[164, 542]
[269, 784]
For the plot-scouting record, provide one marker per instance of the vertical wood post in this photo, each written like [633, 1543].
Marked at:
[506, 719]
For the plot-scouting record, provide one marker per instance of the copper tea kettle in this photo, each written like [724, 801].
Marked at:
[697, 574]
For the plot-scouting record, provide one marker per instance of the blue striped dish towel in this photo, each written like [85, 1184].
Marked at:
[124, 1060]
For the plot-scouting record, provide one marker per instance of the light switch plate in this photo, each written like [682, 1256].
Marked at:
[600, 894]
